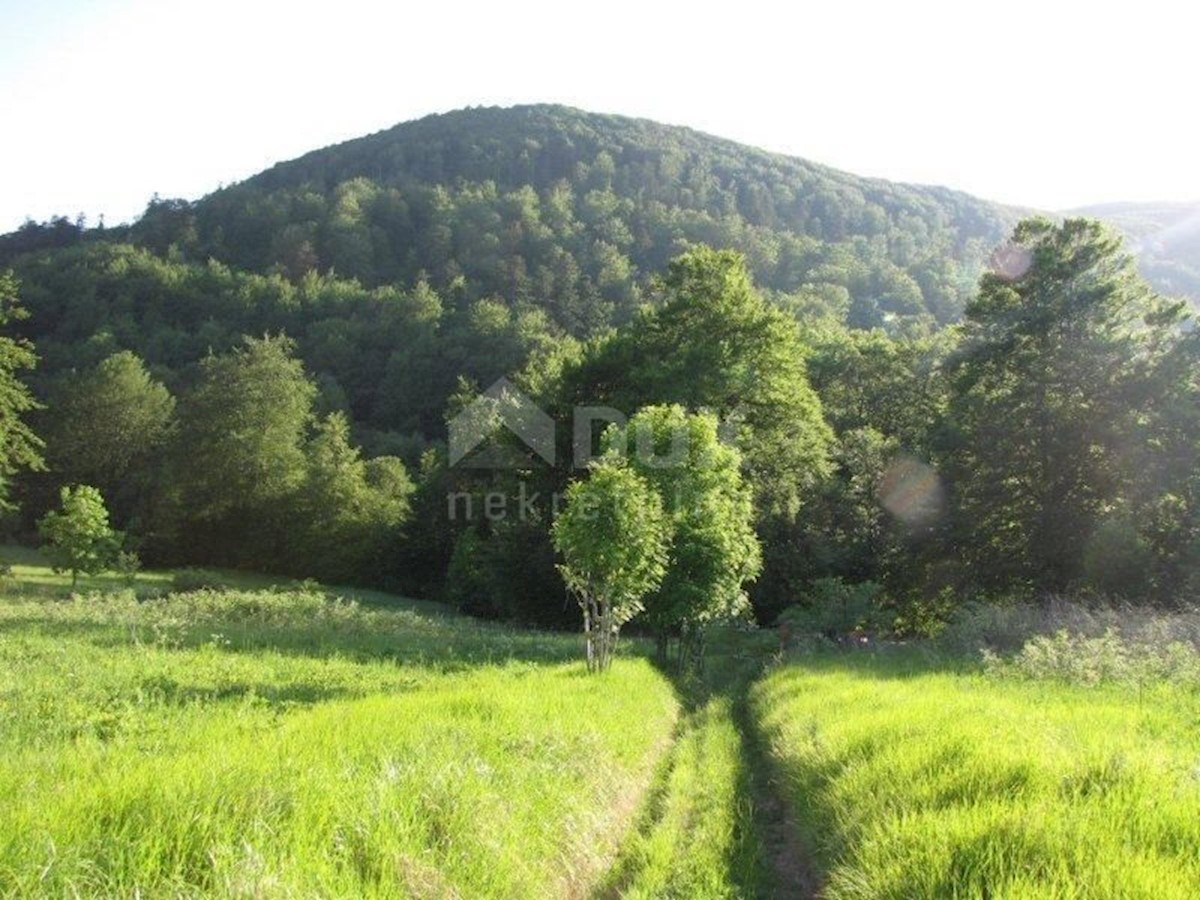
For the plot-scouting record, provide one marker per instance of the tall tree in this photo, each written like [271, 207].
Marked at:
[347, 509]
[1044, 400]
[104, 427]
[20, 448]
[239, 455]
[712, 343]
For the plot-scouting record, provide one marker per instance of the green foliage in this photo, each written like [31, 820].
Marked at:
[1056, 351]
[241, 428]
[78, 536]
[106, 426]
[833, 607]
[714, 344]
[613, 535]
[574, 211]
[1109, 658]
[20, 448]
[713, 548]
[194, 579]
[1116, 560]
[348, 509]
[239, 457]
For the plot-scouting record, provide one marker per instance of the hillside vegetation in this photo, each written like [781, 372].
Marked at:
[266, 378]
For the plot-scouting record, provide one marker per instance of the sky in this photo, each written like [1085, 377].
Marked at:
[1041, 104]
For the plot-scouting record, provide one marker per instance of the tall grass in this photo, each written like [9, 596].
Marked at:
[912, 783]
[285, 743]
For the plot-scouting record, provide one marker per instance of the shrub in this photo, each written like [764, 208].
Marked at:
[1118, 561]
[187, 580]
[833, 606]
[1108, 658]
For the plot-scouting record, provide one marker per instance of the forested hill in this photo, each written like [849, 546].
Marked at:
[572, 212]
[1164, 236]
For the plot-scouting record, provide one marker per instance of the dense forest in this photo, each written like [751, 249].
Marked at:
[924, 394]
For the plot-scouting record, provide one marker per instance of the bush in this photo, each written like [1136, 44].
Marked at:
[127, 564]
[1108, 658]
[1006, 627]
[187, 580]
[833, 606]
[1118, 561]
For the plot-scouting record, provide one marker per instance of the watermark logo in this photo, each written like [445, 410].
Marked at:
[501, 406]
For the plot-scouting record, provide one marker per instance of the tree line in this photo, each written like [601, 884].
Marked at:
[1048, 442]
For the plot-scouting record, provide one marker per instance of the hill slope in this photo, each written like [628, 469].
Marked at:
[1166, 239]
[572, 211]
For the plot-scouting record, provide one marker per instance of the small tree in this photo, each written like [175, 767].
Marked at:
[713, 551]
[78, 534]
[613, 535]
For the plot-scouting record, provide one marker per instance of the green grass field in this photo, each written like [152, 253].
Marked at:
[254, 743]
[283, 740]
[910, 782]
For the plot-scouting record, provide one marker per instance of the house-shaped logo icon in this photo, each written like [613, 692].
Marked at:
[501, 405]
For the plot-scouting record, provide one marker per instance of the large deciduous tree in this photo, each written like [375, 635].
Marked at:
[239, 456]
[104, 426]
[712, 343]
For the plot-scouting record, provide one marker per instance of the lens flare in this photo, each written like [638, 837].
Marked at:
[912, 491]
[1010, 261]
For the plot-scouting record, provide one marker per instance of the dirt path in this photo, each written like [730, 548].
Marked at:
[785, 853]
[715, 822]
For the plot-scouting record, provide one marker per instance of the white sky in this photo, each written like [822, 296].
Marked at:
[1044, 103]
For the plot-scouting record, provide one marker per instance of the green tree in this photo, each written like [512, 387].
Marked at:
[20, 448]
[78, 536]
[104, 426]
[239, 456]
[347, 509]
[713, 551]
[714, 344]
[1045, 401]
[613, 536]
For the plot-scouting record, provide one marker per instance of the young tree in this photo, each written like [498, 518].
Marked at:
[613, 536]
[20, 448]
[78, 535]
[714, 551]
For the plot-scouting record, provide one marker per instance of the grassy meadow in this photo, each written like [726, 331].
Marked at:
[912, 780]
[270, 739]
[286, 743]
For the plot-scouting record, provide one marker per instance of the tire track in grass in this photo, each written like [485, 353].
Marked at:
[792, 870]
[713, 824]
